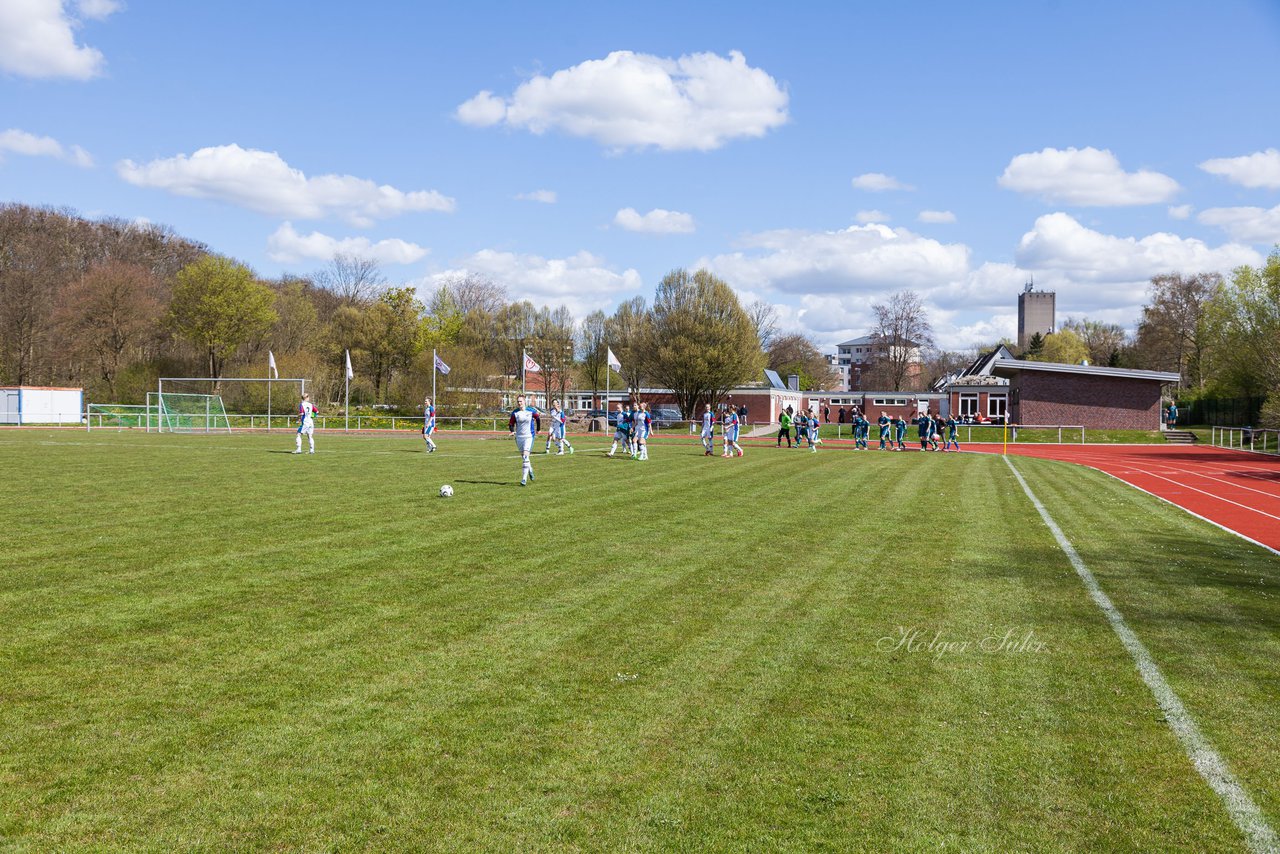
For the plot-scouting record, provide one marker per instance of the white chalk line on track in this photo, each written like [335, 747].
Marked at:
[1189, 472]
[1204, 757]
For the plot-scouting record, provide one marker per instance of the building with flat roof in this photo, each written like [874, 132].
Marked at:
[1085, 395]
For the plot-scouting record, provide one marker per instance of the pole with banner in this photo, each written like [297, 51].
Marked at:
[346, 394]
[271, 370]
[437, 364]
[611, 364]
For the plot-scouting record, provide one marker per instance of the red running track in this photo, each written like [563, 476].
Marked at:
[1237, 490]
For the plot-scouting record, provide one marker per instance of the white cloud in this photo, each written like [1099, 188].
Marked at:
[98, 10]
[582, 281]
[656, 221]
[1085, 176]
[262, 181]
[287, 245]
[878, 182]
[1058, 243]
[28, 144]
[1260, 169]
[936, 216]
[1251, 225]
[37, 39]
[633, 100]
[1180, 211]
[873, 259]
[546, 197]
[865, 217]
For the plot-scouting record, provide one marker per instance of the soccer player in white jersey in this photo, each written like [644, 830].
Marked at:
[523, 425]
[643, 425]
[429, 424]
[731, 433]
[306, 424]
[559, 421]
[708, 431]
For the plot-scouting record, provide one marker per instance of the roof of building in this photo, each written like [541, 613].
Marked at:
[1006, 367]
[864, 341]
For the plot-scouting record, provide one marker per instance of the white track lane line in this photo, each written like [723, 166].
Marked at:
[1206, 759]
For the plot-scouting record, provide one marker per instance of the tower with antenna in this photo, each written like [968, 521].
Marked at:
[1035, 313]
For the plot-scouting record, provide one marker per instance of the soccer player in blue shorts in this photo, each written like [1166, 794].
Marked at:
[523, 425]
[708, 431]
[814, 440]
[883, 421]
[429, 424]
[953, 425]
[621, 430]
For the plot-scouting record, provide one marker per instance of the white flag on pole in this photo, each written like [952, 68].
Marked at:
[350, 373]
[271, 365]
[441, 366]
[530, 364]
[613, 361]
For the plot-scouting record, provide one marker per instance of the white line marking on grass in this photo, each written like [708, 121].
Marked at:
[1211, 766]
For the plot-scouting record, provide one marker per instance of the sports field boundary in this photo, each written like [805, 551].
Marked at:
[1204, 757]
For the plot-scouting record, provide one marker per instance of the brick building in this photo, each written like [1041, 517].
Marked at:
[1093, 397]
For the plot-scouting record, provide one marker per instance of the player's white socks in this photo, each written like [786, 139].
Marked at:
[310, 438]
[430, 444]
[526, 470]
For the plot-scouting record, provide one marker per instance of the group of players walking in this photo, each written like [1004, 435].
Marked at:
[893, 431]
[634, 425]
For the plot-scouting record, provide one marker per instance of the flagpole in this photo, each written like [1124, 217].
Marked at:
[524, 362]
[433, 376]
[346, 394]
[268, 400]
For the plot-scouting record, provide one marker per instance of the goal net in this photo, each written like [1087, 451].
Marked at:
[176, 412]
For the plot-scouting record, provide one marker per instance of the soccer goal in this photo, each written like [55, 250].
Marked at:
[245, 403]
[176, 412]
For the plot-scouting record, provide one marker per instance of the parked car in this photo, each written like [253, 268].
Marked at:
[664, 416]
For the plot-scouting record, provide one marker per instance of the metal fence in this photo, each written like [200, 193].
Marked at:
[1224, 411]
[1246, 439]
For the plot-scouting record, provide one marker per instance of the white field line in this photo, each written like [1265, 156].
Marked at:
[1210, 494]
[1211, 766]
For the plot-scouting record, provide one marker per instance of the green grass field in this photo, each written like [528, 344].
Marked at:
[209, 643]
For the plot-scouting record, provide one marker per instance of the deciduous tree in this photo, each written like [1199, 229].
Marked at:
[218, 306]
[701, 342]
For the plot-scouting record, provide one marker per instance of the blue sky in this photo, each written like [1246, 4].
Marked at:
[820, 156]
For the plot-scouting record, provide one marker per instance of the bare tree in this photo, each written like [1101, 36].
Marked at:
[796, 354]
[553, 346]
[626, 334]
[473, 292]
[1172, 335]
[901, 333]
[358, 281]
[1106, 341]
[592, 349]
[764, 317]
[106, 313]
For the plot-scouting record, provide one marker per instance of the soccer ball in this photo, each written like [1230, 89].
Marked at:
[446, 491]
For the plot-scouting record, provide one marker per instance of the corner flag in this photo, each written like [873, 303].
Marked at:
[271, 365]
[612, 361]
[350, 373]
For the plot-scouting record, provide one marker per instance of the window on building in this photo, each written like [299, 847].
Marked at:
[968, 405]
[995, 406]
[889, 401]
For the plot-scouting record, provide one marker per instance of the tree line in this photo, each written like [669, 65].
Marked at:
[111, 305]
